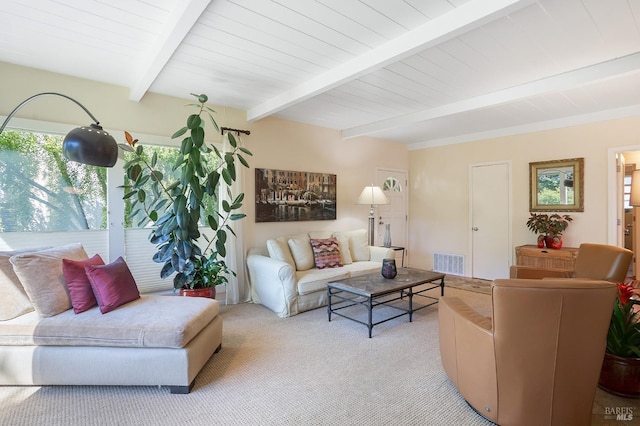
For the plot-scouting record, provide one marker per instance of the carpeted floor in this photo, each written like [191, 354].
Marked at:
[302, 370]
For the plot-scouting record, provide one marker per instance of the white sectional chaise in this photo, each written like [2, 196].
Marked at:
[284, 275]
[153, 340]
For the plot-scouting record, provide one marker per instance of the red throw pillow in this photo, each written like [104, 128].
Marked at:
[113, 285]
[78, 285]
[326, 253]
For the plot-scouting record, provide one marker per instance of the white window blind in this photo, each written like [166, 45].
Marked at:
[93, 241]
[139, 256]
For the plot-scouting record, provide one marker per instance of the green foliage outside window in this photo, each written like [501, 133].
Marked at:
[164, 159]
[41, 191]
[549, 190]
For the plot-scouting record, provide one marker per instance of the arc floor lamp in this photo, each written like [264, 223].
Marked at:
[87, 144]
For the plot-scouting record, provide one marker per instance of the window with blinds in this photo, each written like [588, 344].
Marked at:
[46, 200]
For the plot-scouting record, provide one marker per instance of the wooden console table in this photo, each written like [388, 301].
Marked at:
[530, 255]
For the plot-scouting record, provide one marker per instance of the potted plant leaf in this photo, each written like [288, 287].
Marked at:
[549, 228]
[620, 372]
[175, 206]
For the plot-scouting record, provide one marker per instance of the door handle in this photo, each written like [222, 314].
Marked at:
[475, 228]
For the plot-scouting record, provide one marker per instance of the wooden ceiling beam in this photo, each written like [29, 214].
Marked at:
[568, 80]
[180, 23]
[465, 18]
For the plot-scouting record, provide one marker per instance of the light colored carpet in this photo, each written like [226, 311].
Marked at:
[302, 370]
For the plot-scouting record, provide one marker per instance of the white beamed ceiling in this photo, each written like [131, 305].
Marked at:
[422, 72]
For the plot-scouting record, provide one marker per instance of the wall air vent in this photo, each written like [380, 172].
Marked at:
[448, 263]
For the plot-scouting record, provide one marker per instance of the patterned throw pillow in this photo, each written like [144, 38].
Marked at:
[326, 253]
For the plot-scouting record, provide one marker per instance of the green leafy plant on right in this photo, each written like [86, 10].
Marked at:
[623, 338]
[551, 225]
[549, 228]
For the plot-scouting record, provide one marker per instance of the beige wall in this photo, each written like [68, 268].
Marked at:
[439, 177]
[439, 185]
[293, 146]
[275, 143]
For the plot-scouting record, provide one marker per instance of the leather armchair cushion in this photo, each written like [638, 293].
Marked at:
[531, 272]
[602, 262]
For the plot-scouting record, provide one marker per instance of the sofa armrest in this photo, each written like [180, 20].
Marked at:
[530, 272]
[273, 284]
[467, 353]
[376, 254]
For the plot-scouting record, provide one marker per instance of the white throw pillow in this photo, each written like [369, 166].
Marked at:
[13, 299]
[42, 278]
[301, 251]
[343, 243]
[279, 250]
[359, 245]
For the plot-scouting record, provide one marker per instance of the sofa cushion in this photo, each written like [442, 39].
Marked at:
[13, 298]
[358, 245]
[112, 284]
[78, 285]
[301, 251]
[41, 276]
[279, 249]
[343, 243]
[364, 267]
[150, 321]
[314, 280]
[326, 253]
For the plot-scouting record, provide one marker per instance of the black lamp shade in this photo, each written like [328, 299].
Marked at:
[90, 145]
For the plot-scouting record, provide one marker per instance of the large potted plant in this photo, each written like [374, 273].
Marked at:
[620, 372]
[175, 207]
[549, 228]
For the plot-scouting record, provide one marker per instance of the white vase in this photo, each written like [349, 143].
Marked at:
[387, 235]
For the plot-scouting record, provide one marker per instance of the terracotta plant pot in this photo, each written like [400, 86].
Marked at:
[209, 292]
[620, 376]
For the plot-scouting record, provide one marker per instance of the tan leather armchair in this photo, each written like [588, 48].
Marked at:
[593, 261]
[538, 360]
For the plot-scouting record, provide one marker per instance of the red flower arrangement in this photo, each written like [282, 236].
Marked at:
[623, 338]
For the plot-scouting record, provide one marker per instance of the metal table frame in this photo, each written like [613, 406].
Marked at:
[353, 296]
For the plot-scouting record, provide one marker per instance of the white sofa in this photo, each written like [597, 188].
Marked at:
[284, 275]
[152, 340]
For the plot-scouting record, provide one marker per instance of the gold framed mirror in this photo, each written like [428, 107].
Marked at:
[556, 186]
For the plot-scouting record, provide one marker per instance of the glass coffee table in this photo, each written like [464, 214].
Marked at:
[373, 290]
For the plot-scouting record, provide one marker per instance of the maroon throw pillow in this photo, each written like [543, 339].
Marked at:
[113, 285]
[78, 285]
[326, 253]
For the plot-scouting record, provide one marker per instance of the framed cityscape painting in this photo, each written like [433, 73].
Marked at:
[287, 196]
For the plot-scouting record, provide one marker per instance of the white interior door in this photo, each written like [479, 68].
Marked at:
[394, 185]
[490, 221]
